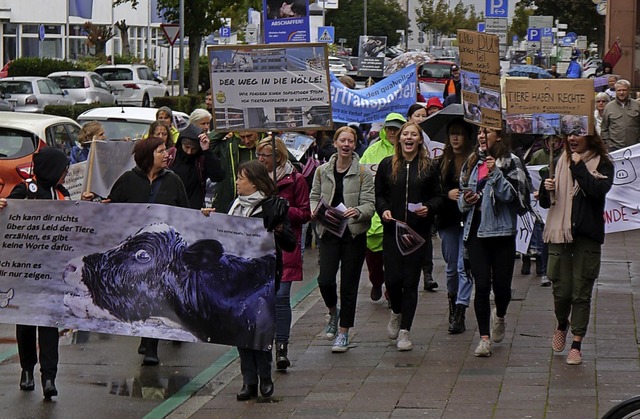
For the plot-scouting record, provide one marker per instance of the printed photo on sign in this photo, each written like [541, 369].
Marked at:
[519, 124]
[547, 124]
[489, 99]
[195, 278]
[270, 87]
[297, 144]
[574, 124]
[470, 81]
[472, 112]
[286, 21]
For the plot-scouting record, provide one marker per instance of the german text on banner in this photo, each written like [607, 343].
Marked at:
[394, 93]
[138, 269]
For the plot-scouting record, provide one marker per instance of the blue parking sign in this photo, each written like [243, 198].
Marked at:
[497, 8]
[225, 32]
[534, 34]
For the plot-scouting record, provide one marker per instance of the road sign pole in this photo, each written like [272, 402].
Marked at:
[171, 69]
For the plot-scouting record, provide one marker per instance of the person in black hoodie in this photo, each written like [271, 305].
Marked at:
[194, 162]
[50, 168]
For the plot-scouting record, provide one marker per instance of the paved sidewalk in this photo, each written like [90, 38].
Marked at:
[441, 377]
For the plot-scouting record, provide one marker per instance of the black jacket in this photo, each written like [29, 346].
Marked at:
[48, 165]
[449, 214]
[588, 204]
[134, 187]
[391, 195]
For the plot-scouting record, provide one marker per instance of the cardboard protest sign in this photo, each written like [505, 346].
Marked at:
[550, 106]
[480, 78]
[77, 265]
[270, 87]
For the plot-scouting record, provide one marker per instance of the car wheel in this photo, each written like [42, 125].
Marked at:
[146, 102]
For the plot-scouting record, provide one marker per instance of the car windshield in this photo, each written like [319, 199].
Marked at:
[115, 74]
[69, 82]
[16, 87]
[438, 71]
[15, 144]
[116, 129]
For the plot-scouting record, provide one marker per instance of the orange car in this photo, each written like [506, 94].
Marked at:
[21, 135]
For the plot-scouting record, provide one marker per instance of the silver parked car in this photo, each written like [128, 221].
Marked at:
[32, 94]
[134, 84]
[84, 86]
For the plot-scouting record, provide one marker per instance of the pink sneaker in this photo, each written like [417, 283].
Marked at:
[574, 357]
[559, 340]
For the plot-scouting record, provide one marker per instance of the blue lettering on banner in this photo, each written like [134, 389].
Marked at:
[394, 93]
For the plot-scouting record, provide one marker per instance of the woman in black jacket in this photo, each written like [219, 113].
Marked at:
[257, 197]
[407, 190]
[194, 162]
[149, 182]
[50, 168]
[575, 233]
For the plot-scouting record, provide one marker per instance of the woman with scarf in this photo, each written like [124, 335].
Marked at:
[575, 233]
[343, 181]
[292, 186]
[494, 190]
[194, 162]
[407, 190]
[257, 197]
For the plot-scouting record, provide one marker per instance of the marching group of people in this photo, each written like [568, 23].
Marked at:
[393, 197]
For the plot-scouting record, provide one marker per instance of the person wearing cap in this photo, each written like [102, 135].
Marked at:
[233, 149]
[193, 160]
[452, 86]
[433, 105]
[384, 147]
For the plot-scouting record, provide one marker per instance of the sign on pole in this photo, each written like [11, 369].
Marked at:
[171, 32]
[497, 8]
[251, 33]
[326, 34]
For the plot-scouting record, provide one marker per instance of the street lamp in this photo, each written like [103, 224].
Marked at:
[365, 18]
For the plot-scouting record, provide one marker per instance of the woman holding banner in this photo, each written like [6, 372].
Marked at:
[342, 181]
[292, 186]
[408, 193]
[494, 190]
[149, 182]
[257, 197]
[50, 167]
[575, 233]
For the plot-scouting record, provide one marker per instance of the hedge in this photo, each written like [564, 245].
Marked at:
[185, 103]
[42, 67]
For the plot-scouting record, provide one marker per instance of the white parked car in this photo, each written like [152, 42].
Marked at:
[32, 94]
[134, 84]
[84, 86]
[122, 122]
[337, 66]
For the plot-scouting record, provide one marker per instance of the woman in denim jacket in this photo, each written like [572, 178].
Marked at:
[494, 186]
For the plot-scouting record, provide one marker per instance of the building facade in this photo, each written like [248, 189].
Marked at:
[623, 22]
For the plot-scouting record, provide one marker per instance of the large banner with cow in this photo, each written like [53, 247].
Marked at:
[138, 269]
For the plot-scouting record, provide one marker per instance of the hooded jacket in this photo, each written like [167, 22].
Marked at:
[48, 166]
[195, 169]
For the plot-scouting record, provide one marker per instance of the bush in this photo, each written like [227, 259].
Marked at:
[70, 111]
[30, 66]
[186, 103]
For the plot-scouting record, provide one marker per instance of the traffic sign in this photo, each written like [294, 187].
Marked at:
[171, 32]
[534, 34]
[495, 25]
[41, 32]
[251, 33]
[540, 21]
[497, 8]
[225, 32]
[481, 26]
[326, 34]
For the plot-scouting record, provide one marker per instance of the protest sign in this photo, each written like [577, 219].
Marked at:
[297, 144]
[480, 78]
[74, 179]
[371, 54]
[195, 278]
[550, 106]
[286, 21]
[394, 93]
[108, 160]
[270, 87]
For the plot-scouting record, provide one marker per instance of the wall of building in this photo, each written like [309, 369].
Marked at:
[623, 22]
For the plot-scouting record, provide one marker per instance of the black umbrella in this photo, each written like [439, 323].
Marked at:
[436, 125]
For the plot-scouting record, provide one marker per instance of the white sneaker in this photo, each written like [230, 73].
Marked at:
[497, 327]
[484, 348]
[394, 325]
[404, 341]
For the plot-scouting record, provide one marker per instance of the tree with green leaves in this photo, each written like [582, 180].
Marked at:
[384, 17]
[440, 20]
[520, 21]
[202, 18]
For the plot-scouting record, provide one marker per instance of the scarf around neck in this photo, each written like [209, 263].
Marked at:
[243, 206]
[284, 170]
[558, 226]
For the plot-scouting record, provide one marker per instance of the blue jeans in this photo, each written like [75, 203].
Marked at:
[283, 312]
[453, 251]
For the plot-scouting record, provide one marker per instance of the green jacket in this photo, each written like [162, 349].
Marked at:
[372, 156]
[231, 154]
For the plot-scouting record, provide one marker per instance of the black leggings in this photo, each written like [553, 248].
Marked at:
[492, 260]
